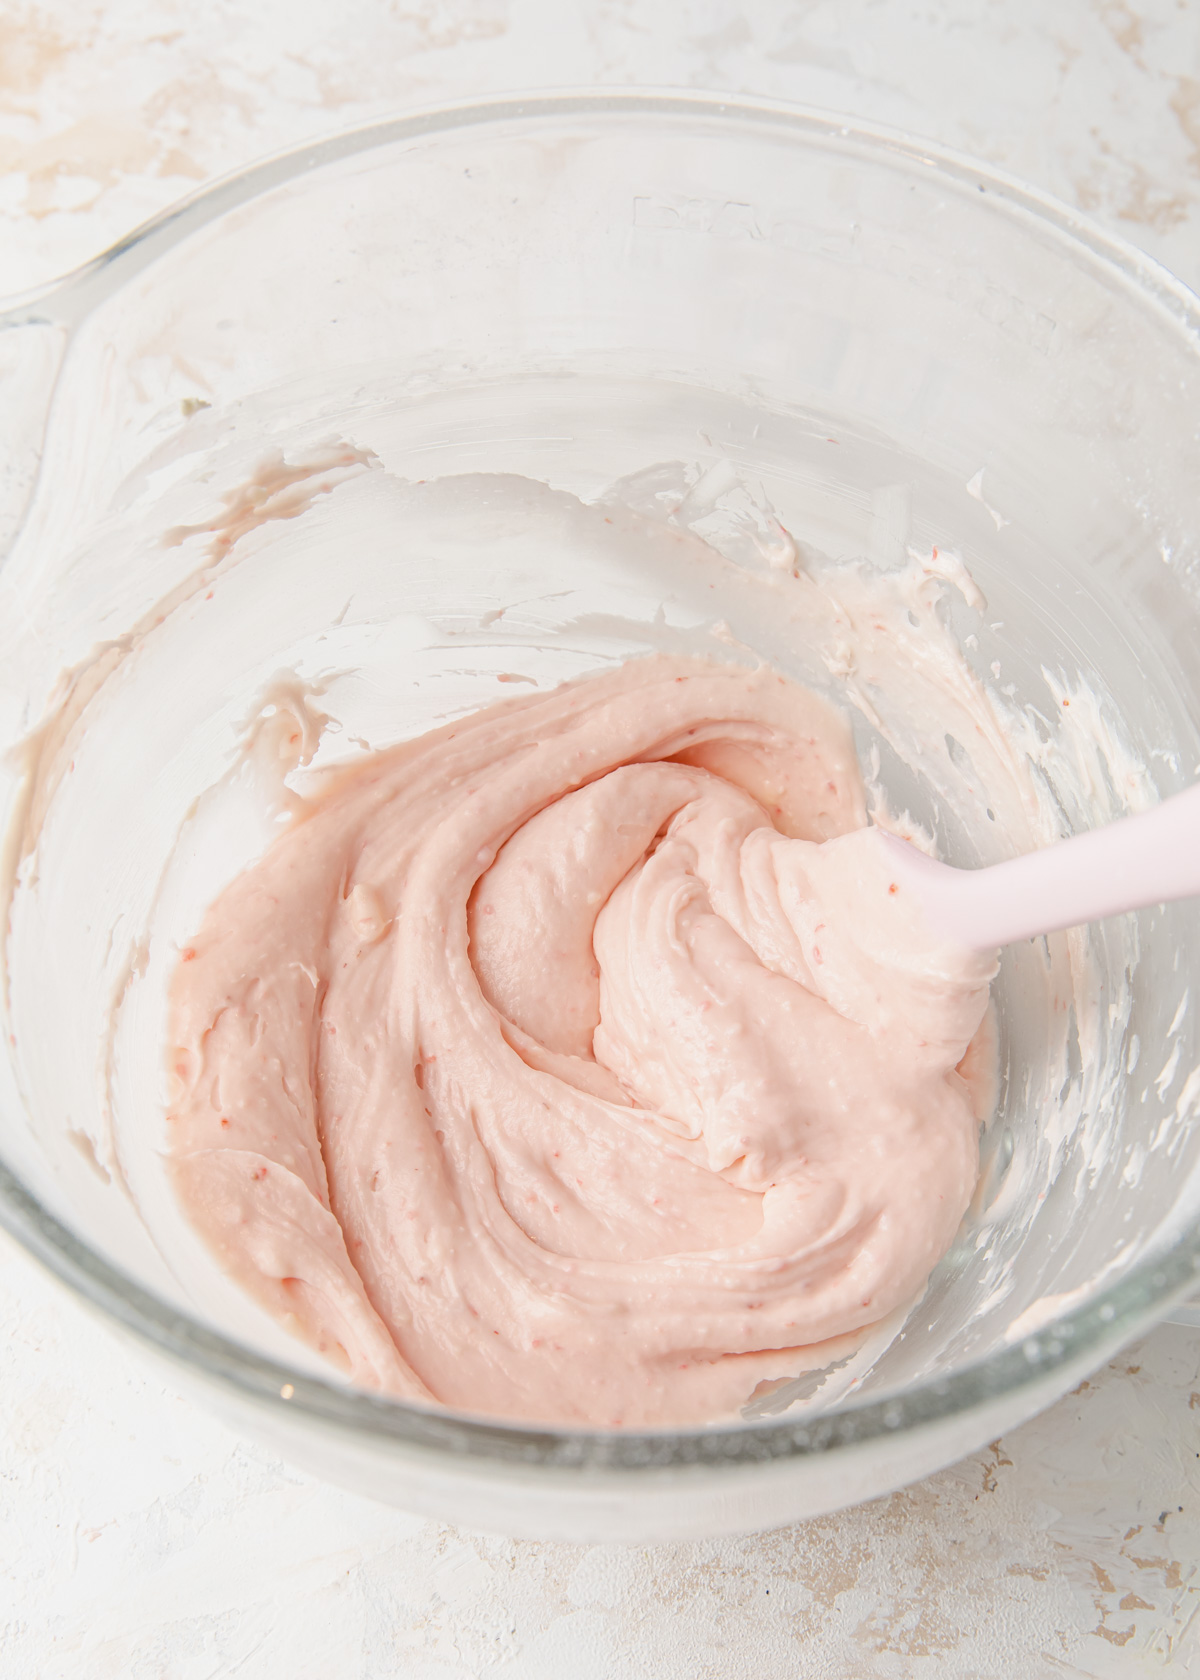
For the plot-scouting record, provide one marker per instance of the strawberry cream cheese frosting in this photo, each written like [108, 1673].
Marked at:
[575, 1063]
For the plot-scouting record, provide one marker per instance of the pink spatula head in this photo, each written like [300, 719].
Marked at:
[1147, 859]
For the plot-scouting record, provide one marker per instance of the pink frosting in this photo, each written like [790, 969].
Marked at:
[577, 1061]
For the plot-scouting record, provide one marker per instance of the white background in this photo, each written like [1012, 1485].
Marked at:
[140, 1539]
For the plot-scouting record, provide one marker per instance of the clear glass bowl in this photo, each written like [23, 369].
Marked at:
[574, 287]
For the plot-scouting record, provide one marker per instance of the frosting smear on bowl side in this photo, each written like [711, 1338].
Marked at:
[573, 1062]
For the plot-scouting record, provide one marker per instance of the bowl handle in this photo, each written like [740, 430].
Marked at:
[31, 353]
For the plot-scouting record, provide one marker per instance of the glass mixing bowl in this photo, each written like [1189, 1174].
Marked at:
[574, 288]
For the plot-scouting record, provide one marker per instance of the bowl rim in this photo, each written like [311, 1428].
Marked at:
[1041, 1363]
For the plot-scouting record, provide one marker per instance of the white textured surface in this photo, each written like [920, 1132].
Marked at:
[139, 1538]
